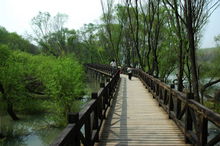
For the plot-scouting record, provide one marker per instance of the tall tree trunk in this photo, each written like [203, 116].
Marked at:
[156, 39]
[181, 67]
[128, 51]
[137, 36]
[181, 58]
[192, 50]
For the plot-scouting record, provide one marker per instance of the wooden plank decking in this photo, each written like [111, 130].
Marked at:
[136, 119]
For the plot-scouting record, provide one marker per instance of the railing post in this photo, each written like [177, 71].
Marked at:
[203, 130]
[96, 116]
[188, 119]
[96, 113]
[106, 99]
[73, 118]
[88, 130]
[159, 93]
[178, 108]
[103, 102]
[165, 97]
[170, 107]
[151, 85]
[108, 90]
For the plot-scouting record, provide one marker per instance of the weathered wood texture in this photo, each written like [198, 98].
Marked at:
[84, 127]
[191, 117]
[136, 119]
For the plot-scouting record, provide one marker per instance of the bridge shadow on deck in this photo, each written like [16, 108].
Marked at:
[117, 115]
[136, 119]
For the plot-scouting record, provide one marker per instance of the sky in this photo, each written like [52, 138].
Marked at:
[16, 15]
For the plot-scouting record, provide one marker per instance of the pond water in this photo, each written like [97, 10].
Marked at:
[30, 130]
[35, 130]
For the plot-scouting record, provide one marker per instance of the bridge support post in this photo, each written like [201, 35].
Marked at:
[171, 105]
[203, 131]
[96, 117]
[73, 118]
[108, 93]
[178, 108]
[188, 119]
[105, 99]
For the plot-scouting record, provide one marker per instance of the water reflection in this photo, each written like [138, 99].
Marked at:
[30, 130]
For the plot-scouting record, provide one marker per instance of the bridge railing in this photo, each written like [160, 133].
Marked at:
[84, 127]
[104, 69]
[190, 116]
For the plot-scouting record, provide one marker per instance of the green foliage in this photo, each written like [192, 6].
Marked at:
[208, 60]
[16, 42]
[4, 55]
[12, 78]
[212, 105]
[60, 79]
[167, 63]
[50, 34]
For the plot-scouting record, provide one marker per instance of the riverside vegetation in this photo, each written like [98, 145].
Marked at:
[43, 73]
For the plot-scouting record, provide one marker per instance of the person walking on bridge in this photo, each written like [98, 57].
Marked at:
[129, 70]
[113, 63]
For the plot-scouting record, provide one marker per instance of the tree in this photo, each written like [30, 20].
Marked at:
[16, 42]
[90, 40]
[178, 30]
[12, 77]
[194, 15]
[50, 33]
[113, 37]
[208, 60]
[62, 79]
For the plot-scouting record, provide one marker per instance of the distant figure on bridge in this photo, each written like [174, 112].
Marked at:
[129, 70]
[113, 63]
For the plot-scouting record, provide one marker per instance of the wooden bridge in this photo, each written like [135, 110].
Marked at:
[141, 111]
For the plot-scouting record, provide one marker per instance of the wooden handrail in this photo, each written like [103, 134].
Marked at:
[189, 115]
[90, 118]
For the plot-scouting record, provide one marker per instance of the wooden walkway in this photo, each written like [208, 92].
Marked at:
[136, 119]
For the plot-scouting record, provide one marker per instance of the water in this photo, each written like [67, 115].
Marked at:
[36, 130]
[30, 130]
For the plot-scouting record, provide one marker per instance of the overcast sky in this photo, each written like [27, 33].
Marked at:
[16, 15]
